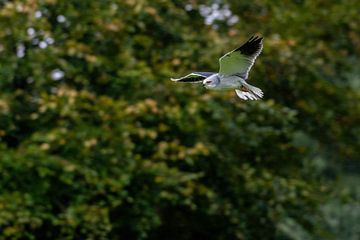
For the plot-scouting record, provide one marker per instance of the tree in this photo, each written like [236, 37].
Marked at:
[97, 143]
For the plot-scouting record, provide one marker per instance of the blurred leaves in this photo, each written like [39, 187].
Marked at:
[97, 143]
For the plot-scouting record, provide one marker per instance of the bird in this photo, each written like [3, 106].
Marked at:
[233, 72]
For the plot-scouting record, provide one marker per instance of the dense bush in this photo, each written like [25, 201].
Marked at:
[97, 143]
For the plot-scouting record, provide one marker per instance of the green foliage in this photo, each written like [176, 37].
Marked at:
[97, 143]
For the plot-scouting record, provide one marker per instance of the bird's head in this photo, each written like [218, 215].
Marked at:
[211, 81]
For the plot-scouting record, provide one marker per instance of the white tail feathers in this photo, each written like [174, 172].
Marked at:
[248, 92]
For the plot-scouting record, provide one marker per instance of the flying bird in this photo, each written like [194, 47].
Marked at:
[233, 72]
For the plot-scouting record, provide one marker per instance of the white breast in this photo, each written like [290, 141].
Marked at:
[229, 82]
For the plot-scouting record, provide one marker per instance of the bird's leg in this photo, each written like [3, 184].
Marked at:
[244, 89]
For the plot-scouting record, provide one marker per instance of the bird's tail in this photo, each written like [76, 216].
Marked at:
[249, 92]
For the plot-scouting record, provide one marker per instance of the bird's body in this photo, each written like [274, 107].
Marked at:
[233, 73]
[222, 82]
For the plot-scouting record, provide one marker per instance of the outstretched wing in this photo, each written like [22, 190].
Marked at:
[193, 77]
[240, 60]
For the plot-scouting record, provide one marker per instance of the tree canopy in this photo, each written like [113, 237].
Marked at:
[97, 143]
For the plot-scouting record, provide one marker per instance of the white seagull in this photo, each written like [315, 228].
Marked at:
[233, 72]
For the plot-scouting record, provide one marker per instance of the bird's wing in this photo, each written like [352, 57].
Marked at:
[240, 60]
[193, 77]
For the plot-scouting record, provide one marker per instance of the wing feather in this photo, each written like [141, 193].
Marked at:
[193, 77]
[240, 60]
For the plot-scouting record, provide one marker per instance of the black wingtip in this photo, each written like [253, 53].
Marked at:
[255, 38]
[251, 46]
